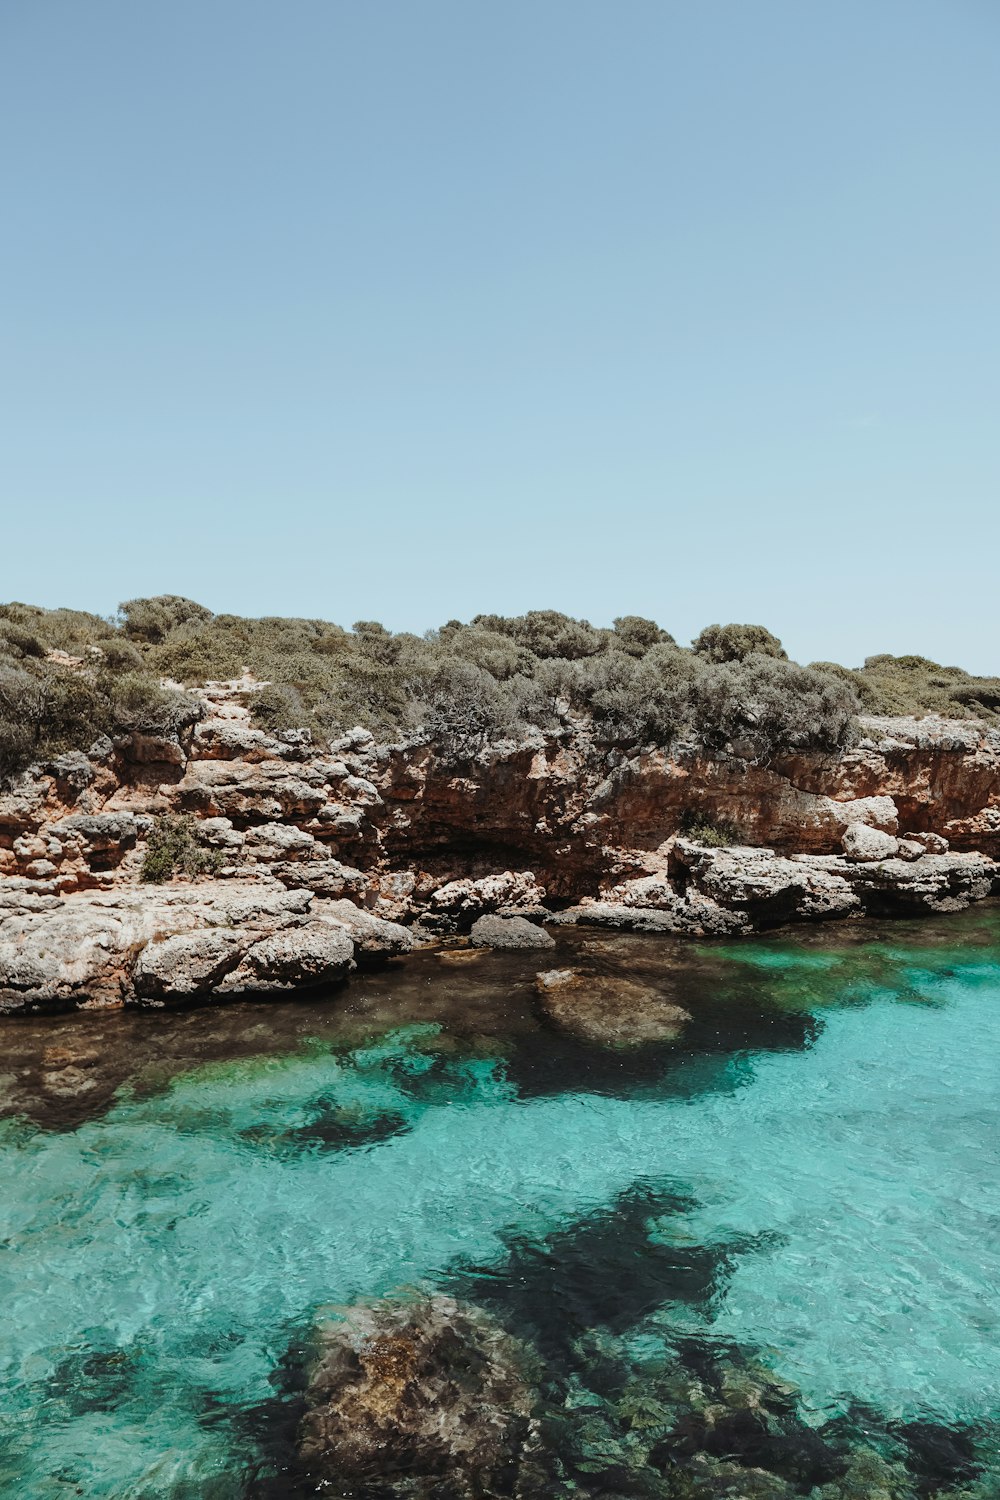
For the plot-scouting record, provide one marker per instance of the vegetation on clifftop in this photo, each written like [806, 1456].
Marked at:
[67, 677]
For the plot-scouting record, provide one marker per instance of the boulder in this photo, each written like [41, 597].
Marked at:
[508, 891]
[190, 963]
[509, 932]
[605, 1009]
[770, 888]
[374, 939]
[98, 833]
[327, 877]
[295, 958]
[866, 845]
[933, 843]
[935, 883]
[909, 849]
[692, 914]
[876, 812]
[227, 739]
[264, 791]
[219, 833]
[152, 750]
[278, 841]
[406, 1396]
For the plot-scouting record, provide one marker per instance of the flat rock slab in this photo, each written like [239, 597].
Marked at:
[156, 946]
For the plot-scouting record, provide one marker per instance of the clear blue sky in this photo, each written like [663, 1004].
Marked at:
[408, 309]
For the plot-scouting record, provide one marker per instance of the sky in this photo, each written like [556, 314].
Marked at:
[416, 309]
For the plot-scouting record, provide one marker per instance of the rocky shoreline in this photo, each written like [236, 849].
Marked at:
[321, 858]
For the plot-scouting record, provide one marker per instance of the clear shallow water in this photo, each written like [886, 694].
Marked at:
[812, 1172]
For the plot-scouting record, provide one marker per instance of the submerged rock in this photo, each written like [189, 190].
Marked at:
[509, 932]
[601, 1008]
[428, 1397]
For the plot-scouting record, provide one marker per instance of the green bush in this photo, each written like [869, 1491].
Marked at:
[916, 685]
[18, 641]
[734, 692]
[500, 655]
[136, 702]
[119, 655]
[722, 643]
[547, 633]
[633, 702]
[761, 707]
[279, 707]
[462, 707]
[173, 849]
[152, 620]
[637, 636]
[713, 833]
[46, 711]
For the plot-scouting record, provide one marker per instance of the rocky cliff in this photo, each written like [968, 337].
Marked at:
[324, 855]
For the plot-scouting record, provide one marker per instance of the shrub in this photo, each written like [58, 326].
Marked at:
[735, 691]
[69, 630]
[278, 707]
[760, 707]
[865, 691]
[916, 685]
[547, 633]
[363, 692]
[500, 655]
[633, 701]
[722, 643]
[374, 641]
[45, 711]
[118, 655]
[17, 641]
[174, 849]
[152, 620]
[461, 707]
[636, 636]
[713, 833]
[139, 703]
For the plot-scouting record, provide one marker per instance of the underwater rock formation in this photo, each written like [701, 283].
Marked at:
[611, 1011]
[422, 1397]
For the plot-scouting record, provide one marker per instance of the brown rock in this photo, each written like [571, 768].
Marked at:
[413, 1395]
[602, 1008]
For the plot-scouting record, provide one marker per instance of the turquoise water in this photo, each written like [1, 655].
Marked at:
[839, 1177]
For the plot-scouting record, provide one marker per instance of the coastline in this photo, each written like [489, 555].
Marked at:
[316, 859]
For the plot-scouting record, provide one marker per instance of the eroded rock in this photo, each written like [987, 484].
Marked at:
[152, 945]
[866, 845]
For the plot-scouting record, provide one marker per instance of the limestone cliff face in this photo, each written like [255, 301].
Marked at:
[408, 834]
[552, 806]
[557, 808]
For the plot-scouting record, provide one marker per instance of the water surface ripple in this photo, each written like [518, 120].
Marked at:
[811, 1172]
